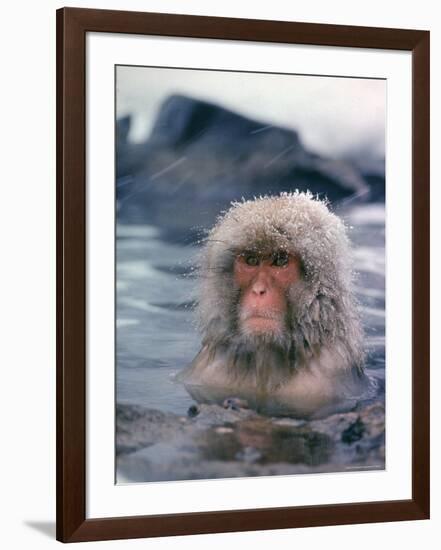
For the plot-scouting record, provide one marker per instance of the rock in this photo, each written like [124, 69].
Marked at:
[131, 156]
[224, 442]
[138, 427]
[193, 411]
[249, 454]
[354, 432]
[200, 157]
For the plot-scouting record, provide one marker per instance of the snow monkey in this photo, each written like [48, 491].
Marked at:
[276, 309]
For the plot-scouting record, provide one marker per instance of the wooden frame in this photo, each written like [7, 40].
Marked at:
[72, 26]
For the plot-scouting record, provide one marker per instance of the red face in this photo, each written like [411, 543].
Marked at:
[264, 281]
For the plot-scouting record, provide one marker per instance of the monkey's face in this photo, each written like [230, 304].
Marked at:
[263, 281]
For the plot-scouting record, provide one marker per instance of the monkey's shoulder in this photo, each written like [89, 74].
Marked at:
[305, 389]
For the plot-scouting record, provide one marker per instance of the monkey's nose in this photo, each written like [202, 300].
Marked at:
[259, 289]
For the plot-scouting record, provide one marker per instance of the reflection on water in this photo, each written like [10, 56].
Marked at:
[155, 333]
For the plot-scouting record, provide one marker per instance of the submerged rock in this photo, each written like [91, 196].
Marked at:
[223, 442]
[354, 432]
[138, 427]
[193, 411]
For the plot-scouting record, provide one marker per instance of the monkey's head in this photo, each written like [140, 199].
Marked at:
[276, 271]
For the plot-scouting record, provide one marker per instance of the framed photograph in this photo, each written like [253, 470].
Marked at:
[242, 274]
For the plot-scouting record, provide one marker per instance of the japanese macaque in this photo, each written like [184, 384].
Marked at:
[276, 309]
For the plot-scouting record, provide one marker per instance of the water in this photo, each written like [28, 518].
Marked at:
[156, 336]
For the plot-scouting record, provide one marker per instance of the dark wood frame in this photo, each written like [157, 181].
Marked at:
[72, 25]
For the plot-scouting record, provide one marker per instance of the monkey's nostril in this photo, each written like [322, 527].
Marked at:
[259, 291]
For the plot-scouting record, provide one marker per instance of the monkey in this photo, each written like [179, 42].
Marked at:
[276, 309]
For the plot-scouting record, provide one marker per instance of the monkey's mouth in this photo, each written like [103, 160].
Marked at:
[261, 321]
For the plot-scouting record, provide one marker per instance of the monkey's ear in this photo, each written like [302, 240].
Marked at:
[326, 313]
[314, 310]
[311, 293]
[319, 306]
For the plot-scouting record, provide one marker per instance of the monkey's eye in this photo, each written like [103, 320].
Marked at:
[280, 259]
[251, 259]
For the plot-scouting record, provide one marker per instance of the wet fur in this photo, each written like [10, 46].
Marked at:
[317, 360]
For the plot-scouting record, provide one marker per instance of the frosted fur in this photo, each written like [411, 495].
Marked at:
[324, 341]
